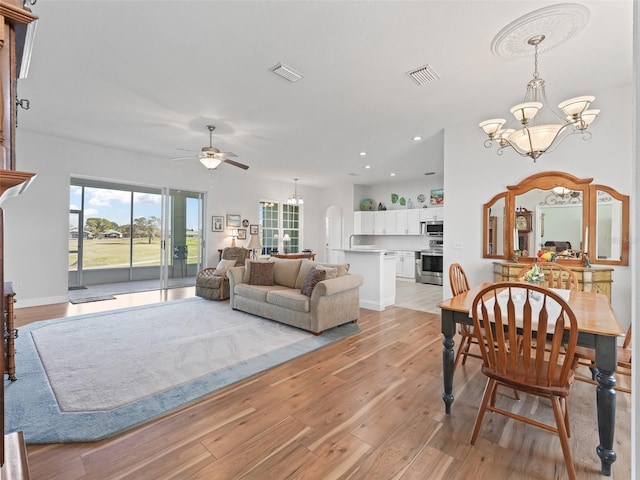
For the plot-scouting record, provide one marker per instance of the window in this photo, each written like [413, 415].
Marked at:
[278, 220]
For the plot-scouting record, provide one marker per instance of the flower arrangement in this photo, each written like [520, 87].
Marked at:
[533, 275]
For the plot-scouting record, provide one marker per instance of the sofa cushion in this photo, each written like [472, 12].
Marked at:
[314, 276]
[247, 269]
[262, 273]
[286, 271]
[289, 299]
[255, 292]
[223, 266]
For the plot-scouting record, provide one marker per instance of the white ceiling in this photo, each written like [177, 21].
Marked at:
[148, 76]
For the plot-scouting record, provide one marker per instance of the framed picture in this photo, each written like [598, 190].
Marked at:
[437, 197]
[253, 230]
[217, 223]
[233, 220]
[242, 234]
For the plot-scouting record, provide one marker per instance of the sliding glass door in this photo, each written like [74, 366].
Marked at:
[125, 233]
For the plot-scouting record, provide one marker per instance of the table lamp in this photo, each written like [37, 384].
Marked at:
[285, 240]
[254, 244]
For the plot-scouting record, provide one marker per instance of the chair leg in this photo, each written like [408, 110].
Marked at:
[466, 351]
[567, 424]
[564, 439]
[463, 342]
[488, 392]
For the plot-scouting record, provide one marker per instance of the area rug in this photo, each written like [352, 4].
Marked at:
[98, 298]
[89, 377]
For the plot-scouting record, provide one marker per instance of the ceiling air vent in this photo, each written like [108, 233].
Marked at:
[286, 72]
[423, 75]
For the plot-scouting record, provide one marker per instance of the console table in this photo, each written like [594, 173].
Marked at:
[311, 255]
[10, 332]
[590, 279]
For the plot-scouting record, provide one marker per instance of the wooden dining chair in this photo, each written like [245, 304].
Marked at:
[459, 284]
[586, 357]
[513, 358]
[559, 276]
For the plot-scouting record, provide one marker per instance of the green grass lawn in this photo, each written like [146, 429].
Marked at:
[114, 252]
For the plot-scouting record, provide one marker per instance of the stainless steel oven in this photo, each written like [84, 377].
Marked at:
[429, 264]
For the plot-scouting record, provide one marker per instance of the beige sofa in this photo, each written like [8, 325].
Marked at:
[332, 302]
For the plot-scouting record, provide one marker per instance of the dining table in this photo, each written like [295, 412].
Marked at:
[598, 328]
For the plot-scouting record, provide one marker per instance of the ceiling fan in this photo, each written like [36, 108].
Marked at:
[211, 157]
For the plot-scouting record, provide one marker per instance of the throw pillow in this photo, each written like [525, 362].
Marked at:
[261, 273]
[313, 277]
[331, 272]
[223, 266]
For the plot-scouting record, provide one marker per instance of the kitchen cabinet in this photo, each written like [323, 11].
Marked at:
[384, 222]
[408, 222]
[432, 214]
[387, 222]
[405, 264]
[363, 222]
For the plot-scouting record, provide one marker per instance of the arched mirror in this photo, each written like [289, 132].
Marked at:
[555, 211]
[494, 226]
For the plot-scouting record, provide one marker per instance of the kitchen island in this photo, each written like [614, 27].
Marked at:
[379, 272]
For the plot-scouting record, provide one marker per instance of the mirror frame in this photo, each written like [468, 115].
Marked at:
[546, 181]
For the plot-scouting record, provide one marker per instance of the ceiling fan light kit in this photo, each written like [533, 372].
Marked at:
[211, 157]
[532, 136]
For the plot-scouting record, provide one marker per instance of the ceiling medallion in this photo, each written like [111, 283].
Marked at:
[558, 23]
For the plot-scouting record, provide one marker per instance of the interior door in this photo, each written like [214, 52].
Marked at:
[333, 232]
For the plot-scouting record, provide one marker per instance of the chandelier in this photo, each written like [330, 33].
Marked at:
[295, 199]
[532, 138]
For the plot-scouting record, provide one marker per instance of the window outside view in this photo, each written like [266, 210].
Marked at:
[123, 228]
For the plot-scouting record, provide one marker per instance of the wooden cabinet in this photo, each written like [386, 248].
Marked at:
[590, 279]
[384, 222]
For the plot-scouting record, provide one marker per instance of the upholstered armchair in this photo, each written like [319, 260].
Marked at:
[212, 282]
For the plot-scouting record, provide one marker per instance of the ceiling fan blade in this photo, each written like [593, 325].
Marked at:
[229, 154]
[186, 150]
[236, 164]
[185, 158]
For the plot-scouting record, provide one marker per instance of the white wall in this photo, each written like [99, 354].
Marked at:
[37, 222]
[474, 174]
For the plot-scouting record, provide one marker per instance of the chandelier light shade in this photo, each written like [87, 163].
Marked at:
[295, 199]
[531, 136]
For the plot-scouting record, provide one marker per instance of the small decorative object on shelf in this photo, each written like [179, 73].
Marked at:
[585, 260]
[547, 256]
[516, 256]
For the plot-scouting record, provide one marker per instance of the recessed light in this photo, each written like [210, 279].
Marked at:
[417, 138]
[367, 166]
[362, 154]
[393, 174]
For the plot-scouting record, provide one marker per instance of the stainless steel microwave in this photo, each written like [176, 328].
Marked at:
[432, 228]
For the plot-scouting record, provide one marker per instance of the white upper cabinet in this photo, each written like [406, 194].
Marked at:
[432, 214]
[363, 223]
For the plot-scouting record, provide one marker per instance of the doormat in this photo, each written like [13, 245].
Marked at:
[91, 299]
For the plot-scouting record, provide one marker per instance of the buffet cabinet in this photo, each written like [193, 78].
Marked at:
[590, 279]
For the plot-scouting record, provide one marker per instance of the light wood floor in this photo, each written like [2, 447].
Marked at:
[367, 407]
